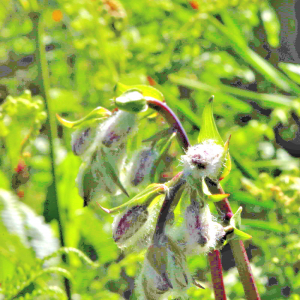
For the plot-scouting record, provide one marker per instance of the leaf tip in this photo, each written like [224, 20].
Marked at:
[104, 209]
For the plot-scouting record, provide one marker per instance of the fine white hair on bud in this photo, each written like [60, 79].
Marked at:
[139, 238]
[203, 160]
[142, 165]
[128, 223]
[202, 233]
[82, 140]
[116, 129]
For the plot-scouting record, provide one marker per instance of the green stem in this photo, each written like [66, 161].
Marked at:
[51, 210]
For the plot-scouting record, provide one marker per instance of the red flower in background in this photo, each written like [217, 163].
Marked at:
[151, 80]
[194, 4]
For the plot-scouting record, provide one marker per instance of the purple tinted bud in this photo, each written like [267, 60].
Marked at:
[129, 223]
[142, 165]
[117, 128]
[197, 224]
[82, 140]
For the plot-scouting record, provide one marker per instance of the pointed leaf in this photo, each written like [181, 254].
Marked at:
[143, 198]
[111, 171]
[208, 128]
[161, 155]
[217, 197]
[241, 235]
[235, 221]
[227, 166]
[97, 114]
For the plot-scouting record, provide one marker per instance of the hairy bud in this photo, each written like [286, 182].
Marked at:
[142, 165]
[204, 160]
[117, 128]
[164, 270]
[128, 223]
[82, 140]
[203, 234]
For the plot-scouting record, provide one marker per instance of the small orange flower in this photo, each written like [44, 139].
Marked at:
[194, 4]
[57, 15]
[151, 80]
[20, 194]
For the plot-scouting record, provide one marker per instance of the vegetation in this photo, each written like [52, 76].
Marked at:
[105, 67]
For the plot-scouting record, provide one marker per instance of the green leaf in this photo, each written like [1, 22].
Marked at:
[268, 100]
[227, 166]
[161, 155]
[147, 91]
[145, 197]
[241, 235]
[264, 225]
[110, 170]
[235, 221]
[252, 58]
[292, 70]
[271, 23]
[208, 126]
[99, 113]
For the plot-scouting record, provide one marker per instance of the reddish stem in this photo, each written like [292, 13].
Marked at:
[172, 120]
[237, 247]
[214, 259]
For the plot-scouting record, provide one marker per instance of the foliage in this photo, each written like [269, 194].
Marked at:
[184, 50]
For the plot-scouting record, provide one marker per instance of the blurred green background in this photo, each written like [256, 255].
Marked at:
[243, 52]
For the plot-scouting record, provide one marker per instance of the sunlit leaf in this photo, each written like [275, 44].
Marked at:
[208, 126]
[144, 197]
[99, 113]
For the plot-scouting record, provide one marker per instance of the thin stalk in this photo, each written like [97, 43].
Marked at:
[52, 205]
[214, 259]
[171, 200]
[172, 120]
[237, 247]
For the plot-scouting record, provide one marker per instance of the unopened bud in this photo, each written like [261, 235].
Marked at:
[131, 101]
[197, 223]
[117, 128]
[165, 269]
[142, 165]
[94, 178]
[204, 160]
[128, 223]
[82, 140]
[202, 231]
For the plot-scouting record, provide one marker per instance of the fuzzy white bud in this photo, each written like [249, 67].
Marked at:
[82, 140]
[204, 160]
[202, 233]
[117, 128]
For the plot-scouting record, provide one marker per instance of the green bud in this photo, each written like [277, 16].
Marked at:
[132, 101]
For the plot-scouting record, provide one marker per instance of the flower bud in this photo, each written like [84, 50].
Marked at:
[128, 223]
[131, 101]
[116, 129]
[204, 160]
[164, 270]
[82, 140]
[142, 165]
[203, 234]
[94, 179]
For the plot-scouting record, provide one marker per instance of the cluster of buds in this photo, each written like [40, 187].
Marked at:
[170, 224]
